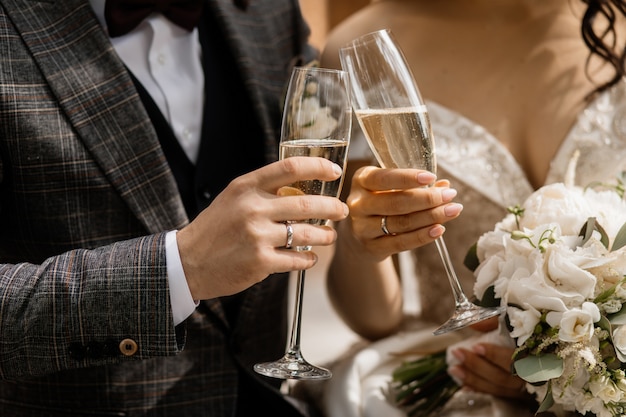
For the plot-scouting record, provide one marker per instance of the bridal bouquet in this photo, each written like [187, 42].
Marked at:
[557, 264]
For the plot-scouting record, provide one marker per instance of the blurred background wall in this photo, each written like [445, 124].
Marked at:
[323, 15]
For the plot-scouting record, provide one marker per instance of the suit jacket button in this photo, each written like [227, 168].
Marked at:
[128, 347]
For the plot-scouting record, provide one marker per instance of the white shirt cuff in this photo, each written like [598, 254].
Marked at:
[180, 296]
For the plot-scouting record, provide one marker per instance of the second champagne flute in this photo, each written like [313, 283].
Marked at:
[395, 121]
[317, 120]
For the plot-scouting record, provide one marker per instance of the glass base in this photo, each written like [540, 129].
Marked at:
[292, 366]
[467, 314]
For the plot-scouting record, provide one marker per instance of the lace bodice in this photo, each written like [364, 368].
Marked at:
[489, 180]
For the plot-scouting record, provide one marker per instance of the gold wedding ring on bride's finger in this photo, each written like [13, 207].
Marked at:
[383, 226]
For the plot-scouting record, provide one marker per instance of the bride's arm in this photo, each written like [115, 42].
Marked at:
[366, 293]
[362, 282]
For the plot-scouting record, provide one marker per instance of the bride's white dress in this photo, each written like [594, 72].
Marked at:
[488, 180]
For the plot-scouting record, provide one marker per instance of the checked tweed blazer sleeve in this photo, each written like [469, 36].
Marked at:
[80, 167]
[86, 194]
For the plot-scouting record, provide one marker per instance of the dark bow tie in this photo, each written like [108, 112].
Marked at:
[122, 16]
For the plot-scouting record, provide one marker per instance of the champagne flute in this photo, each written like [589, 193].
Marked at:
[395, 121]
[317, 120]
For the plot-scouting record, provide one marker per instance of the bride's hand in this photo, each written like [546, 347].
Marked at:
[487, 368]
[414, 214]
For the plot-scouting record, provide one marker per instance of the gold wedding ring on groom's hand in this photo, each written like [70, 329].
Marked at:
[289, 241]
[383, 226]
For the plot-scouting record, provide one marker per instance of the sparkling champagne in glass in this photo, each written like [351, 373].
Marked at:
[395, 121]
[317, 121]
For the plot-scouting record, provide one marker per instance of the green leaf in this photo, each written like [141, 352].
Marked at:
[547, 402]
[539, 368]
[618, 318]
[489, 298]
[605, 324]
[420, 369]
[587, 230]
[604, 295]
[620, 238]
[471, 258]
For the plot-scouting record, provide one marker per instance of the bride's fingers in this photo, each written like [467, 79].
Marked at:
[388, 245]
[380, 179]
[404, 202]
[491, 374]
[385, 226]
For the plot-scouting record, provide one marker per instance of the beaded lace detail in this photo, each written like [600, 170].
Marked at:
[472, 155]
[489, 180]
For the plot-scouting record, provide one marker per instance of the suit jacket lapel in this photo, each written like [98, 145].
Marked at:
[97, 94]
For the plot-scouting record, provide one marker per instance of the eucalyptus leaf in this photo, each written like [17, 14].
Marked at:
[587, 230]
[539, 368]
[618, 318]
[620, 238]
[604, 237]
[548, 401]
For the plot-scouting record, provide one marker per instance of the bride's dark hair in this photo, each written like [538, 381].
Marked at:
[603, 40]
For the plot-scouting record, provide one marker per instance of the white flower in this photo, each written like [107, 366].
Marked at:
[556, 202]
[523, 322]
[603, 388]
[620, 291]
[575, 325]
[565, 273]
[619, 341]
[549, 268]
[608, 208]
[314, 121]
[611, 306]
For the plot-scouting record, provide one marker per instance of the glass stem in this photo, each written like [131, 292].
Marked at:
[459, 295]
[294, 340]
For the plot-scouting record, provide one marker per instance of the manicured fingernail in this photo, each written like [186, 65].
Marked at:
[426, 177]
[458, 354]
[337, 169]
[436, 231]
[456, 373]
[479, 350]
[448, 194]
[453, 209]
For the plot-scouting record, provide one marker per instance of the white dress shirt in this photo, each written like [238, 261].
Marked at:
[166, 59]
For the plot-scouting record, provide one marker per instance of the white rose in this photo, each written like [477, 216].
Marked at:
[523, 322]
[529, 286]
[611, 269]
[609, 209]
[491, 243]
[619, 342]
[567, 276]
[575, 325]
[605, 389]
[486, 274]
[557, 203]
